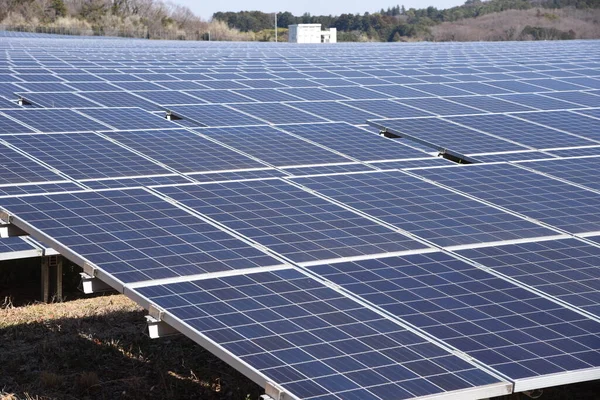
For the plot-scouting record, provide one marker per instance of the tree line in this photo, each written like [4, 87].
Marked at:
[395, 23]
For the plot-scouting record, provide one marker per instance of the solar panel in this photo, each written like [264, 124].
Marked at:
[12, 248]
[565, 269]
[170, 97]
[428, 211]
[266, 95]
[213, 115]
[439, 106]
[446, 136]
[353, 141]
[312, 340]
[128, 118]
[291, 221]
[221, 96]
[387, 108]
[538, 101]
[490, 104]
[566, 121]
[120, 183]
[513, 330]
[312, 93]
[123, 99]
[184, 151]
[520, 131]
[57, 100]
[274, 146]
[277, 113]
[134, 235]
[85, 155]
[334, 111]
[583, 171]
[54, 120]
[548, 200]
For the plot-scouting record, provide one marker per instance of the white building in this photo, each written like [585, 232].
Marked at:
[311, 33]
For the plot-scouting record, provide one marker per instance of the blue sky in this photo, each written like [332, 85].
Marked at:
[205, 9]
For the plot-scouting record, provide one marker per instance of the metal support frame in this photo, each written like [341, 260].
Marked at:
[89, 284]
[155, 328]
[51, 264]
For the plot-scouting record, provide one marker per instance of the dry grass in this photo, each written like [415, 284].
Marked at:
[508, 25]
[95, 349]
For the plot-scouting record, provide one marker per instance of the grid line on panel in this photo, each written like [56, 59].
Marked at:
[313, 340]
[134, 235]
[289, 220]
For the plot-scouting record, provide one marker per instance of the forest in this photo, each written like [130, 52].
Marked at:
[158, 19]
[400, 24]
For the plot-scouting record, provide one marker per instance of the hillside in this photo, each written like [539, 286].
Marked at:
[152, 19]
[531, 24]
[158, 19]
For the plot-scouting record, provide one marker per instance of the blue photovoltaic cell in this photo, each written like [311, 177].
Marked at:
[566, 269]
[478, 88]
[13, 244]
[577, 151]
[335, 111]
[57, 100]
[266, 95]
[273, 146]
[428, 211]
[134, 235]
[387, 108]
[214, 115]
[237, 175]
[538, 101]
[129, 118]
[439, 106]
[515, 156]
[329, 169]
[39, 188]
[582, 98]
[121, 99]
[595, 113]
[170, 97]
[566, 121]
[277, 113]
[517, 86]
[85, 155]
[311, 93]
[583, 171]
[519, 131]
[290, 221]
[120, 183]
[515, 331]
[353, 141]
[8, 126]
[55, 120]
[356, 93]
[184, 151]
[437, 89]
[397, 91]
[220, 96]
[16, 168]
[534, 195]
[443, 135]
[490, 104]
[314, 341]
[413, 163]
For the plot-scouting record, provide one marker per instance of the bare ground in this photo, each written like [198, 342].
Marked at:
[95, 349]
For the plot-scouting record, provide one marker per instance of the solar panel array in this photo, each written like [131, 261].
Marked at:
[244, 190]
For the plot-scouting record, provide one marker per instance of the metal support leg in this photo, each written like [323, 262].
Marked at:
[59, 279]
[54, 263]
[45, 280]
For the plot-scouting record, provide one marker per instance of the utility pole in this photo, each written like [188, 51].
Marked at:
[275, 27]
